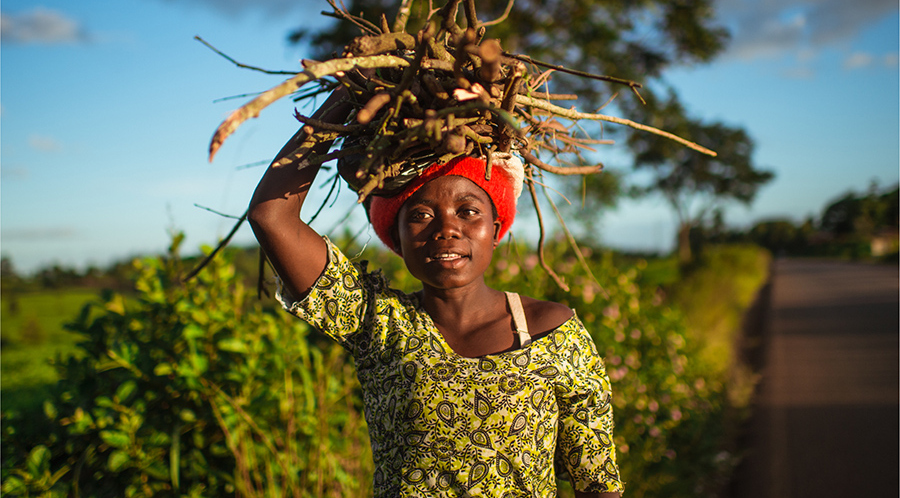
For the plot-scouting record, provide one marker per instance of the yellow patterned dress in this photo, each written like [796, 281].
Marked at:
[446, 425]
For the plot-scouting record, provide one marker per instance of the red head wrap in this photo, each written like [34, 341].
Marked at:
[500, 188]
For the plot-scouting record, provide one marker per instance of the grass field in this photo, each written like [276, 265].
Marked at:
[32, 333]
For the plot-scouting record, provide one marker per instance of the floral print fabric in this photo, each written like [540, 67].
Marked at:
[446, 425]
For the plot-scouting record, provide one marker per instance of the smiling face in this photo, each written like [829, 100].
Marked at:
[447, 233]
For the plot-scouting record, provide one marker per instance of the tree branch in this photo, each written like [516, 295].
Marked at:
[238, 64]
[313, 72]
[577, 170]
[537, 208]
[575, 115]
[502, 17]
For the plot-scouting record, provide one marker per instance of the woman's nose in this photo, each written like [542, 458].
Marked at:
[446, 227]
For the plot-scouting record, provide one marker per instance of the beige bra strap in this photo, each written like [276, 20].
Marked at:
[518, 314]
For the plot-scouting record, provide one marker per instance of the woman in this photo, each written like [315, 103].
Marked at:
[468, 391]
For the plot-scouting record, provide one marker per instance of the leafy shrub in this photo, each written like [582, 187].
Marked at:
[192, 389]
[196, 389]
[715, 293]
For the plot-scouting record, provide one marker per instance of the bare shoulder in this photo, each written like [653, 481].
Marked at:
[544, 316]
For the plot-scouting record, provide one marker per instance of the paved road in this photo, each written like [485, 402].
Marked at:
[827, 421]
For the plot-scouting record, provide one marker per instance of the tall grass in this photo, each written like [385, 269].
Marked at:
[33, 333]
[714, 293]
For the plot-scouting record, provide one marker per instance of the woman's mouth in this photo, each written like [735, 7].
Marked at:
[446, 256]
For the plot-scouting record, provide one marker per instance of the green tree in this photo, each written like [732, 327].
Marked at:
[10, 284]
[861, 215]
[693, 184]
[781, 236]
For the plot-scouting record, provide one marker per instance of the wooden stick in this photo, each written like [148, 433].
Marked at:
[575, 115]
[343, 14]
[537, 207]
[471, 16]
[574, 244]
[238, 64]
[502, 16]
[563, 69]
[575, 170]
[313, 72]
[224, 242]
[402, 16]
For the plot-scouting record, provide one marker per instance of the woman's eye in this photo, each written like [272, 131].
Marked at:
[419, 215]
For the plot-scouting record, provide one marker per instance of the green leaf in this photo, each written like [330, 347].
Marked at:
[175, 457]
[193, 331]
[158, 438]
[117, 460]
[116, 304]
[13, 485]
[157, 470]
[233, 344]
[38, 461]
[50, 410]
[163, 369]
[200, 364]
[116, 439]
[125, 390]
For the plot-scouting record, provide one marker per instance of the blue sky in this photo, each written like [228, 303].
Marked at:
[107, 108]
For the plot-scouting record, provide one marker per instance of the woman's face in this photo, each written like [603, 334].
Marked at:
[447, 233]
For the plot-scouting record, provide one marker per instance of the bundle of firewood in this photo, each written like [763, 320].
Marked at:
[427, 97]
[443, 92]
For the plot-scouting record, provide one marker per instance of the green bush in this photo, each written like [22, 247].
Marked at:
[714, 294]
[192, 389]
[197, 389]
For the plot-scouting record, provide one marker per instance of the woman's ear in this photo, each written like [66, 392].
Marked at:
[497, 227]
[395, 238]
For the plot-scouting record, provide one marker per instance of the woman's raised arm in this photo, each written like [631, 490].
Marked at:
[295, 250]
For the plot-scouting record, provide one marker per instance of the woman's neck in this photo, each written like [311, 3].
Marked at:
[474, 322]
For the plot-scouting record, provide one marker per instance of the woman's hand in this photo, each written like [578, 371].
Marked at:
[295, 250]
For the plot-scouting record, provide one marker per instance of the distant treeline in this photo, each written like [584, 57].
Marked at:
[854, 226]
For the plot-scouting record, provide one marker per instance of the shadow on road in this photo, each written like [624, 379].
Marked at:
[825, 337]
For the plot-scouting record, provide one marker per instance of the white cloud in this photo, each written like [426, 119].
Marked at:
[838, 20]
[13, 173]
[857, 60]
[799, 73]
[40, 25]
[269, 7]
[43, 143]
[771, 28]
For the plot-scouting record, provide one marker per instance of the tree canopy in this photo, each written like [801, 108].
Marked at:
[694, 185]
[861, 214]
